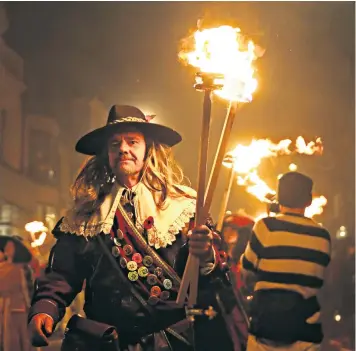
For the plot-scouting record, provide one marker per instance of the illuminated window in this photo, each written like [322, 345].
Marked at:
[9, 213]
[5, 229]
[341, 233]
[5, 214]
[43, 160]
[9, 216]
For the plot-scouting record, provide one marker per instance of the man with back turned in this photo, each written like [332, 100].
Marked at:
[288, 254]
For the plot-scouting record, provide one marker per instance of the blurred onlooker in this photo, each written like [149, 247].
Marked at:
[14, 295]
[29, 268]
[235, 234]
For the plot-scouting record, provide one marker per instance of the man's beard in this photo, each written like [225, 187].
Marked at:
[125, 169]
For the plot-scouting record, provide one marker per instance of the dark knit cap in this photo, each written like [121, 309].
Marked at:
[295, 190]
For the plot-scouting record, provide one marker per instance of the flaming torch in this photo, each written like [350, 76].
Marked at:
[36, 227]
[225, 62]
[247, 158]
[316, 207]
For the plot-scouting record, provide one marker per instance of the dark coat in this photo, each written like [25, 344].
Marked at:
[75, 259]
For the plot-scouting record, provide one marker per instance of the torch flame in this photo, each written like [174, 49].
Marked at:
[316, 207]
[255, 185]
[40, 240]
[224, 51]
[310, 148]
[246, 159]
[36, 227]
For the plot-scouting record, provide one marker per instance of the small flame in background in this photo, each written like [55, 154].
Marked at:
[316, 208]
[37, 227]
[40, 240]
[293, 167]
[247, 158]
[311, 148]
[224, 51]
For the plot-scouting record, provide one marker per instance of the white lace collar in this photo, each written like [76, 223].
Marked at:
[167, 223]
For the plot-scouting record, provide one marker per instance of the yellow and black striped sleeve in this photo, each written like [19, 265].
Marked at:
[254, 248]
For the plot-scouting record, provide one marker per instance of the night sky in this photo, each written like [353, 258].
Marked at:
[126, 52]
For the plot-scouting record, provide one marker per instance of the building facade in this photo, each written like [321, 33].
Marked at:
[30, 157]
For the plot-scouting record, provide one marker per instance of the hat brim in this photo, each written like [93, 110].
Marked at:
[22, 253]
[94, 142]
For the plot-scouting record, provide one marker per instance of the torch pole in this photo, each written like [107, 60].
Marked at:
[191, 272]
[203, 158]
[225, 199]
[219, 156]
[219, 226]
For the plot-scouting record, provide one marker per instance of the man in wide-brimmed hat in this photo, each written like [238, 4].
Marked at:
[14, 249]
[289, 254]
[126, 236]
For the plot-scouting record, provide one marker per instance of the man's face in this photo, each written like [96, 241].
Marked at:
[9, 249]
[126, 151]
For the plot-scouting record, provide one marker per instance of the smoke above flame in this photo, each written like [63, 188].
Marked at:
[225, 51]
[246, 159]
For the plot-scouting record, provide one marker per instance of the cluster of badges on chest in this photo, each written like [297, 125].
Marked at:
[141, 267]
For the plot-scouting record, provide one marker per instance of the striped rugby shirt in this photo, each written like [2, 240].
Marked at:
[288, 252]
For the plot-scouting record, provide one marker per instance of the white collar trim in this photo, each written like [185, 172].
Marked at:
[168, 222]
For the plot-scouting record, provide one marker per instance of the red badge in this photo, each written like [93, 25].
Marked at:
[148, 223]
[137, 257]
[155, 290]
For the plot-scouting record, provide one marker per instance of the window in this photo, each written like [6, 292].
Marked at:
[9, 213]
[5, 229]
[9, 216]
[5, 214]
[43, 158]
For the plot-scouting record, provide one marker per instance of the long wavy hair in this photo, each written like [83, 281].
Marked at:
[161, 174]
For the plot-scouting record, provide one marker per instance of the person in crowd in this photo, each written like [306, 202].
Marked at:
[288, 255]
[14, 294]
[128, 236]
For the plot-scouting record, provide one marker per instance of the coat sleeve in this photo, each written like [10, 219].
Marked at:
[63, 278]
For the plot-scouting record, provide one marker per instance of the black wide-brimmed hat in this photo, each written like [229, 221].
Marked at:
[120, 116]
[22, 253]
